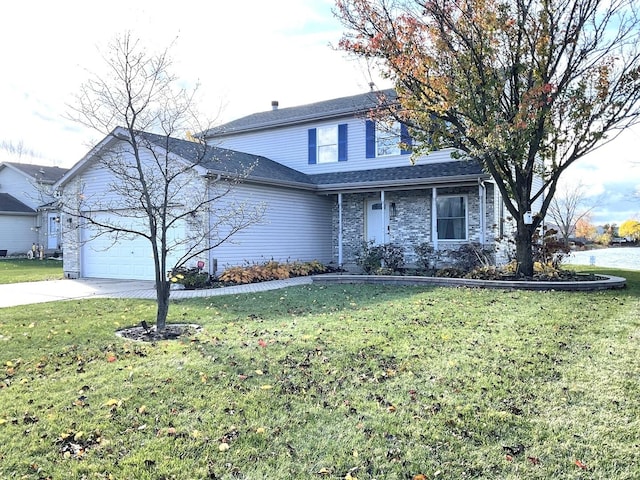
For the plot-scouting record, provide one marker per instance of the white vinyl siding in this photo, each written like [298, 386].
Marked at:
[289, 145]
[296, 225]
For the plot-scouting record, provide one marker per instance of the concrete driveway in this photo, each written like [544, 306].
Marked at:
[38, 292]
[15, 294]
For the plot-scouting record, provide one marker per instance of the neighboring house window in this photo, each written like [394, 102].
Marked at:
[384, 138]
[452, 217]
[328, 144]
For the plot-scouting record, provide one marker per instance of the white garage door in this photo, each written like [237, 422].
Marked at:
[128, 258]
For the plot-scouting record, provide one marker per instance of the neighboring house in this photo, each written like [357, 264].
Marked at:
[330, 179]
[27, 209]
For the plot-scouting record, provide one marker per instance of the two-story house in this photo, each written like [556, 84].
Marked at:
[27, 214]
[329, 177]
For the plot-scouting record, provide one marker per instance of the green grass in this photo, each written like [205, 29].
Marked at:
[22, 270]
[328, 382]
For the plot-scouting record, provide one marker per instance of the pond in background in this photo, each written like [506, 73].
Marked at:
[618, 257]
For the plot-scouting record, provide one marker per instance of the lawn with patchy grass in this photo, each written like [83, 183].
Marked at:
[339, 382]
[16, 270]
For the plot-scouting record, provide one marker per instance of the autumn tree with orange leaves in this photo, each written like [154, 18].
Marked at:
[525, 87]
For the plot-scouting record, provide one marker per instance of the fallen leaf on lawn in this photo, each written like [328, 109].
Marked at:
[266, 387]
[259, 372]
[262, 343]
[534, 460]
[223, 447]
[419, 477]
[113, 402]
[391, 409]
[259, 430]
[323, 471]
[111, 358]
[581, 465]
[348, 476]
[142, 409]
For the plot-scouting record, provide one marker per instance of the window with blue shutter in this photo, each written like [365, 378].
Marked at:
[328, 144]
[312, 147]
[405, 138]
[370, 138]
[342, 142]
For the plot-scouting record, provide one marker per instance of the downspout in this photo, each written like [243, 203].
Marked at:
[482, 198]
[434, 217]
[340, 230]
[213, 264]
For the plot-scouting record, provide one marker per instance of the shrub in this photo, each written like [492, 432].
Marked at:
[271, 270]
[372, 258]
[191, 278]
[428, 257]
[550, 251]
[393, 256]
[369, 258]
[472, 255]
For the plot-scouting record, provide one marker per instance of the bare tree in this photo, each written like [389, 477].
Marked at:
[570, 205]
[161, 188]
[18, 151]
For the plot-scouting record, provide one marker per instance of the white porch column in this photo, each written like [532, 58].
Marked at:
[340, 230]
[384, 218]
[434, 217]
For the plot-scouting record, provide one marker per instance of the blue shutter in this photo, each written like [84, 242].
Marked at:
[312, 146]
[370, 135]
[342, 142]
[405, 138]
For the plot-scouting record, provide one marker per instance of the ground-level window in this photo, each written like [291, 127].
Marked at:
[452, 217]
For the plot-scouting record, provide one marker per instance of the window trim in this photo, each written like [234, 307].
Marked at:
[340, 145]
[465, 197]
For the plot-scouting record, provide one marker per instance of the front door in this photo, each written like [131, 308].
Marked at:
[53, 232]
[377, 224]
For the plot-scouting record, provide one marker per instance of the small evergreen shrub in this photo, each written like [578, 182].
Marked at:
[191, 278]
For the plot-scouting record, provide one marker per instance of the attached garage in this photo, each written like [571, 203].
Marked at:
[127, 257]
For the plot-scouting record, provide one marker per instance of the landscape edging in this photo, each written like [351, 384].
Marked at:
[609, 282]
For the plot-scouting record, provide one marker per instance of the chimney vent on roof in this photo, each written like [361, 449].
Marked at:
[274, 105]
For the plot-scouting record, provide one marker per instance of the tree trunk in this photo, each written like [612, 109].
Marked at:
[163, 290]
[524, 253]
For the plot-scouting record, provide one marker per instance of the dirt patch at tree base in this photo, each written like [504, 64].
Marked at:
[172, 331]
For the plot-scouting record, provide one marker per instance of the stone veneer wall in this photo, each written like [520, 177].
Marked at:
[411, 225]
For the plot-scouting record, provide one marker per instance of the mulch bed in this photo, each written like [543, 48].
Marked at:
[172, 331]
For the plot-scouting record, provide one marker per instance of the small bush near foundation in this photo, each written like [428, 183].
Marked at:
[271, 270]
[191, 278]
[380, 259]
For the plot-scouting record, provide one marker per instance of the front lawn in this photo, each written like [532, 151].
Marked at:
[16, 270]
[339, 382]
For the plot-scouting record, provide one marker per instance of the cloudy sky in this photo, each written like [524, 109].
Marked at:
[244, 54]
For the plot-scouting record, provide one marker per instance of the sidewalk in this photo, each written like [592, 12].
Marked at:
[15, 294]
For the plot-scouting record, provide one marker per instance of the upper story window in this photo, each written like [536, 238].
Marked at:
[387, 139]
[384, 138]
[452, 217]
[328, 144]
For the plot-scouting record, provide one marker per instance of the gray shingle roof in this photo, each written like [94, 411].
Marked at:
[355, 104]
[222, 160]
[42, 173]
[421, 174]
[225, 161]
[11, 204]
